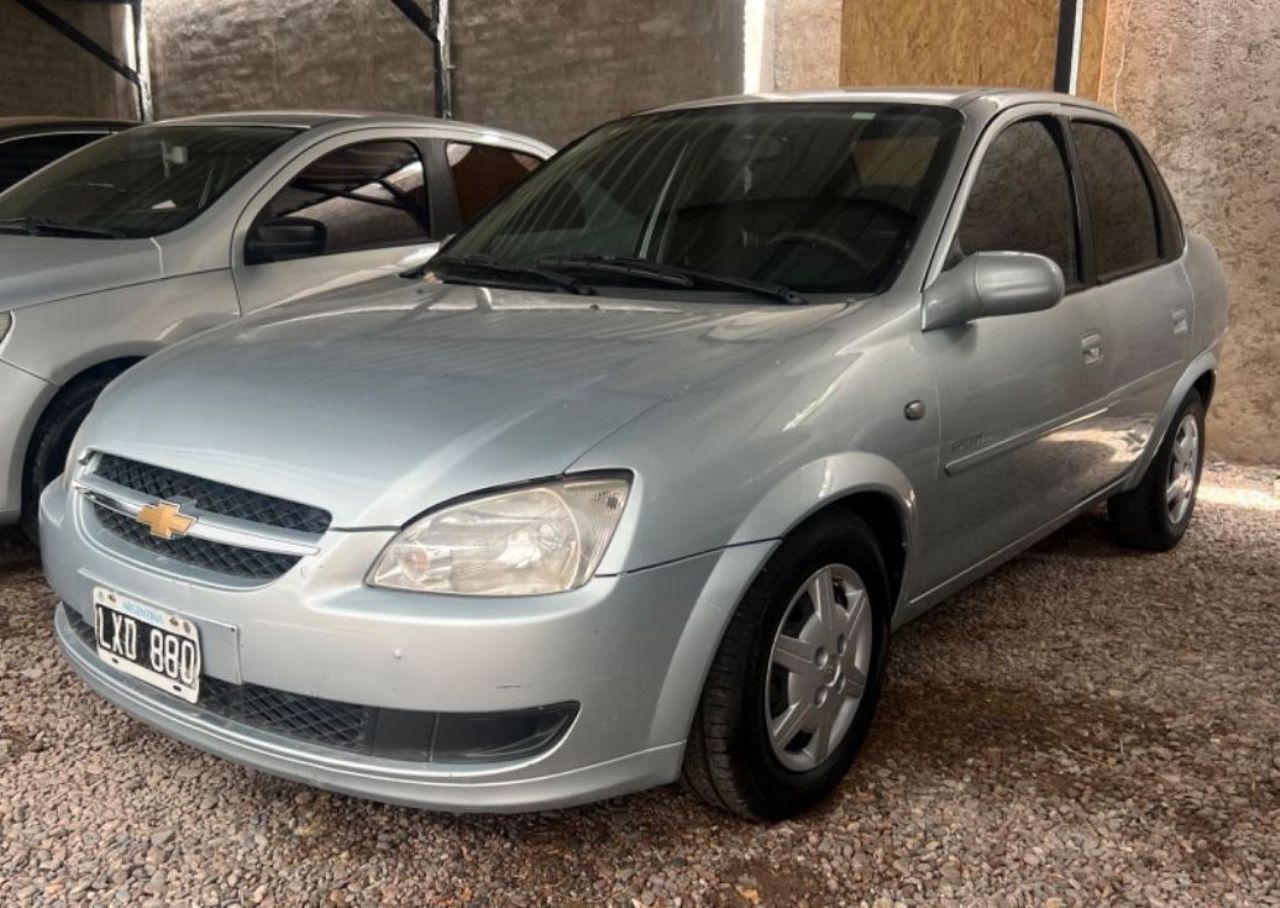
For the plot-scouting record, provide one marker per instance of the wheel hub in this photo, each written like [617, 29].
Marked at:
[818, 667]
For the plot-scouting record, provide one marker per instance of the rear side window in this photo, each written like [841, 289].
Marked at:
[481, 173]
[1021, 200]
[367, 196]
[20, 158]
[1121, 213]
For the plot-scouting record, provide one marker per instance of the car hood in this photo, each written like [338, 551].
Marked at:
[379, 402]
[40, 269]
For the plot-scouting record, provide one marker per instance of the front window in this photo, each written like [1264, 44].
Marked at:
[140, 183]
[815, 198]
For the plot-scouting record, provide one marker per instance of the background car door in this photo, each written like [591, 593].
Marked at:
[1142, 293]
[1017, 394]
[355, 212]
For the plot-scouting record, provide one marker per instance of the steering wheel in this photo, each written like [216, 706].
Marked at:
[809, 237]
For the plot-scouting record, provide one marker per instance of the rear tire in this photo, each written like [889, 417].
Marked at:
[780, 665]
[47, 453]
[1155, 515]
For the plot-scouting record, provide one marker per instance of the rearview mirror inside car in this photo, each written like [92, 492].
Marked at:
[282, 239]
[992, 283]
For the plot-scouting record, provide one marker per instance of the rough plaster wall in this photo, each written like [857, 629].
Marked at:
[220, 55]
[806, 44]
[554, 68]
[42, 72]
[1200, 81]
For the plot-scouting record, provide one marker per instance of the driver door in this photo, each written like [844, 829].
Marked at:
[1017, 394]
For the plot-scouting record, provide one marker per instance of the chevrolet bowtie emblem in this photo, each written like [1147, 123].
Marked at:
[165, 519]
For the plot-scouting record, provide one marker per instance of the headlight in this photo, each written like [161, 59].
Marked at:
[544, 538]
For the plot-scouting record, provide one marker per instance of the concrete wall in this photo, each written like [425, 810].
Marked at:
[550, 68]
[1200, 81]
[42, 72]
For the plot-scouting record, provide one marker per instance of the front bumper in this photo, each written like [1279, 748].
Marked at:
[631, 650]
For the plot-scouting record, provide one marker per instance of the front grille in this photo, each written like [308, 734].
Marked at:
[327, 722]
[214, 497]
[249, 564]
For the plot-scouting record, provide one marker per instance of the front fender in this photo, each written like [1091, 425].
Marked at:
[805, 491]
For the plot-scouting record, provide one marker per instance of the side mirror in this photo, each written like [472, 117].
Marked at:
[282, 239]
[992, 283]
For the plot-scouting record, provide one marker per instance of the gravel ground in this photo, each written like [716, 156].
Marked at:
[1087, 725]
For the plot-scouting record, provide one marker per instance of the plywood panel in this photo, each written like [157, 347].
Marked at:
[965, 42]
[1091, 42]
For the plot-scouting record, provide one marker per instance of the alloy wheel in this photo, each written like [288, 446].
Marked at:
[818, 667]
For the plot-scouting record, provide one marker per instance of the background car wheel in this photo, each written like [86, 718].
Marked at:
[1156, 514]
[47, 452]
[795, 682]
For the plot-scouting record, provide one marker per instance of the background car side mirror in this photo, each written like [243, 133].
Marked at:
[282, 239]
[992, 283]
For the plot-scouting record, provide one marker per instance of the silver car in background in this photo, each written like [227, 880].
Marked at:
[154, 234]
[633, 481]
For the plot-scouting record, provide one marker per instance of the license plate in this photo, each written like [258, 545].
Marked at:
[148, 643]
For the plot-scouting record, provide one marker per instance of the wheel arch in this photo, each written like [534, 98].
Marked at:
[855, 482]
[1200, 375]
[107, 368]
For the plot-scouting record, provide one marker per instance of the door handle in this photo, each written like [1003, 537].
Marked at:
[1091, 348]
[1179, 321]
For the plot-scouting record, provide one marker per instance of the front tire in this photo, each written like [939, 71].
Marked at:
[794, 685]
[1155, 515]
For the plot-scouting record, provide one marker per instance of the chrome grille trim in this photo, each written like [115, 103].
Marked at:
[208, 526]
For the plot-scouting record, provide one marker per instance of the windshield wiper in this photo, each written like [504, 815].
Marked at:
[43, 227]
[483, 263]
[662, 272]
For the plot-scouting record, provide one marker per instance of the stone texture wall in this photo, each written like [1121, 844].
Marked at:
[248, 55]
[553, 68]
[43, 72]
[1200, 81]
[549, 68]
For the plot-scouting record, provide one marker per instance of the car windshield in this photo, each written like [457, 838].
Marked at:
[139, 183]
[792, 197]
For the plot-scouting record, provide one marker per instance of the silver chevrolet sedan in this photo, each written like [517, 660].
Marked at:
[155, 234]
[634, 480]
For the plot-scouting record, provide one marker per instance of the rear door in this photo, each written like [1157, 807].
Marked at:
[1141, 290]
[350, 210]
[1018, 395]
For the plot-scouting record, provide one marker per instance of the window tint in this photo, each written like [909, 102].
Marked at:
[1120, 210]
[19, 158]
[481, 173]
[144, 181]
[366, 196]
[822, 198]
[1021, 200]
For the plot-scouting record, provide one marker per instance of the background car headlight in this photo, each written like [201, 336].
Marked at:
[544, 538]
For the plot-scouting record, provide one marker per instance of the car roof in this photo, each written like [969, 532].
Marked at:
[957, 97]
[16, 126]
[336, 121]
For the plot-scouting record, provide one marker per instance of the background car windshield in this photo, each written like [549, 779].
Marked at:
[143, 182]
[818, 197]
